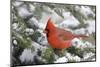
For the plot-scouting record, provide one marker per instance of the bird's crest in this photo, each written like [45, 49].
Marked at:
[50, 25]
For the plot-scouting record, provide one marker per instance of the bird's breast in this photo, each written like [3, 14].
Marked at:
[54, 41]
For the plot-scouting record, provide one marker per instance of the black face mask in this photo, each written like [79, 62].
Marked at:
[47, 32]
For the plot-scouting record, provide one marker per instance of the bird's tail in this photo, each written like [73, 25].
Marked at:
[80, 36]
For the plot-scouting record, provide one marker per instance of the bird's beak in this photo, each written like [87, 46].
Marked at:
[45, 31]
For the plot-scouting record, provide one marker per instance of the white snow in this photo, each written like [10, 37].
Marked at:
[14, 25]
[15, 42]
[88, 30]
[38, 46]
[32, 8]
[76, 58]
[61, 60]
[85, 10]
[68, 55]
[77, 8]
[29, 31]
[56, 18]
[45, 16]
[86, 56]
[43, 21]
[91, 26]
[78, 43]
[88, 44]
[33, 21]
[23, 12]
[66, 15]
[70, 20]
[43, 38]
[43, 41]
[80, 31]
[71, 57]
[17, 4]
[27, 55]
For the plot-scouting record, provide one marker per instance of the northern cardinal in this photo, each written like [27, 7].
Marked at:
[59, 38]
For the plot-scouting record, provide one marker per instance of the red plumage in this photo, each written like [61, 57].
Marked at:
[59, 38]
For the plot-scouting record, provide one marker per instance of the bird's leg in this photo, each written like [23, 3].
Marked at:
[59, 52]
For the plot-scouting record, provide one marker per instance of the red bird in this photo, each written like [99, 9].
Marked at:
[59, 38]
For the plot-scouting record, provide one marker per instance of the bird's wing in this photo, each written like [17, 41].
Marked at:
[66, 44]
[66, 35]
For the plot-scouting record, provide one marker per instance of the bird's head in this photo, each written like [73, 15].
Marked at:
[49, 27]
